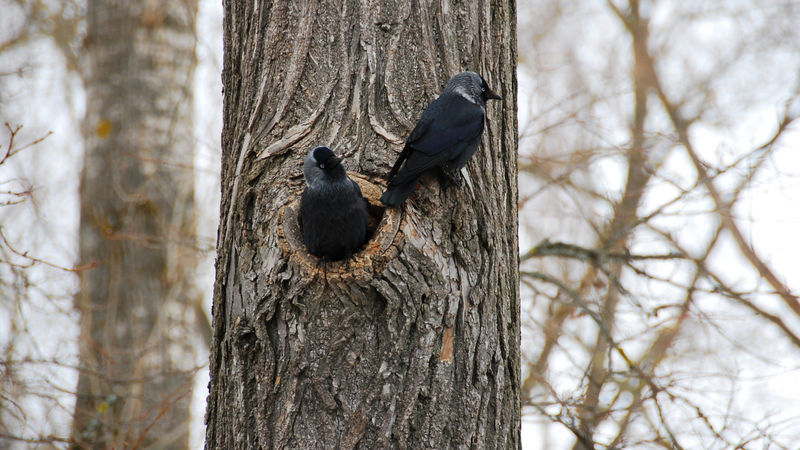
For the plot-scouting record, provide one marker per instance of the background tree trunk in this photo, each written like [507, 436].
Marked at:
[137, 225]
[416, 343]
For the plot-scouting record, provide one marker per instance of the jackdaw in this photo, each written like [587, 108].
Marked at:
[333, 213]
[446, 136]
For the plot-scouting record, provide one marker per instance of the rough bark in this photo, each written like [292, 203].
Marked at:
[416, 343]
[137, 226]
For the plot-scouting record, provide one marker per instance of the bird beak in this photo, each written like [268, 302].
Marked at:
[333, 161]
[491, 95]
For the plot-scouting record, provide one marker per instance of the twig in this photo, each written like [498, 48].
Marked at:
[10, 150]
[33, 260]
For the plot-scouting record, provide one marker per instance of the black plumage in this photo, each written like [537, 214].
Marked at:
[446, 136]
[333, 213]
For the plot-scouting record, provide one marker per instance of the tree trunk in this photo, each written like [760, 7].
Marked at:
[137, 227]
[415, 344]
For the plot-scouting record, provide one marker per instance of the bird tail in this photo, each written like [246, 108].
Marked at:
[398, 193]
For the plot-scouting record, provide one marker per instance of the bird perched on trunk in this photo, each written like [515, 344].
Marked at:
[333, 213]
[446, 136]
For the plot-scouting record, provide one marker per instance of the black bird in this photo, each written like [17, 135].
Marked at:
[333, 213]
[446, 136]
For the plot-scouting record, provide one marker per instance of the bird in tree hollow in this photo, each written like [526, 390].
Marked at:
[333, 213]
[446, 136]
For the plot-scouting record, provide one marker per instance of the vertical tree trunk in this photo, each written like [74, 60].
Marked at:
[137, 225]
[416, 343]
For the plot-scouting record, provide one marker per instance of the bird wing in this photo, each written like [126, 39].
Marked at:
[422, 126]
[400, 159]
[440, 135]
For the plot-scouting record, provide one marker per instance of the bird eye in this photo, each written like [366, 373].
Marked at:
[483, 89]
[321, 165]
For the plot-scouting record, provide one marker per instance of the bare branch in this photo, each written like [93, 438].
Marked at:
[593, 256]
[724, 209]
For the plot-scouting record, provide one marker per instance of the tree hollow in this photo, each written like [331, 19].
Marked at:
[383, 238]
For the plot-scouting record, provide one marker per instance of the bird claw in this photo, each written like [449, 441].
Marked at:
[454, 177]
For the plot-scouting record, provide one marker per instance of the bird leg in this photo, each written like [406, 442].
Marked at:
[322, 263]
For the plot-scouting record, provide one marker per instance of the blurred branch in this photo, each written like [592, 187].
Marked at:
[202, 321]
[577, 301]
[42, 440]
[724, 209]
[169, 401]
[742, 300]
[652, 393]
[17, 39]
[61, 21]
[593, 256]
